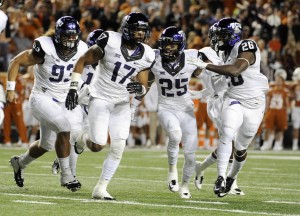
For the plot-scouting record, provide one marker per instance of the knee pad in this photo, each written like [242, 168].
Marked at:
[117, 149]
[240, 155]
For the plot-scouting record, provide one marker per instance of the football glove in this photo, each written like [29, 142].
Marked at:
[197, 62]
[72, 99]
[195, 94]
[135, 87]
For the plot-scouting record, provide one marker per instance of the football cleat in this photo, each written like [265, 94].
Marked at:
[18, 171]
[55, 167]
[236, 191]
[73, 185]
[219, 188]
[232, 188]
[199, 176]
[99, 193]
[173, 186]
[79, 143]
[185, 193]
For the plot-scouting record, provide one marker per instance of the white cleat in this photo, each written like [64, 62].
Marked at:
[185, 193]
[99, 193]
[199, 176]
[235, 189]
[173, 185]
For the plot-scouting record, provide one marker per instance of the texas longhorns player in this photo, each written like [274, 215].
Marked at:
[276, 114]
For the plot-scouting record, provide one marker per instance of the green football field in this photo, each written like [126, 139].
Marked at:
[270, 180]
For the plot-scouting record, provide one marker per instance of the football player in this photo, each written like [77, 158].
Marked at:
[85, 80]
[276, 119]
[215, 87]
[244, 101]
[175, 108]
[53, 57]
[122, 57]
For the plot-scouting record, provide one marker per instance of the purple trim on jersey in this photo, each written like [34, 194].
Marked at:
[234, 102]
[55, 100]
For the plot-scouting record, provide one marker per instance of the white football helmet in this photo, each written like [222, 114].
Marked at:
[281, 73]
[296, 74]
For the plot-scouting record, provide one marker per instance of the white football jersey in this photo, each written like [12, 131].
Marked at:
[3, 20]
[173, 81]
[117, 68]
[250, 84]
[53, 77]
[215, 83]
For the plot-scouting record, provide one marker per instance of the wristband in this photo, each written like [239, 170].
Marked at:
[142, 93]
[10, 85]
[74, 80]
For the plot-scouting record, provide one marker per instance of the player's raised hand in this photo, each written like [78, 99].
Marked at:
[197, 62]
[72, 99]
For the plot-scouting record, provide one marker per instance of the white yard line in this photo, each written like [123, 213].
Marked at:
[283, 202]
[33, 202]
[148, 204]
[160, 181]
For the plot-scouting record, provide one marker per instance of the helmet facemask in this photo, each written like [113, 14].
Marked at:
[171, 43]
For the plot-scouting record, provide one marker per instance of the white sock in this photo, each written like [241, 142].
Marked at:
[73, 160]
[208, 161]
[188, 167]
[173, 174]
[64, 163]
[223, 155]
[235, 168]
[278, 143]
[268, 143]
[102, 183]
[109, 168]
[295, 143]
[32, 138]
[25, 159]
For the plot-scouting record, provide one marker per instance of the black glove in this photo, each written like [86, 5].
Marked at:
[72, 99]
[134, 87]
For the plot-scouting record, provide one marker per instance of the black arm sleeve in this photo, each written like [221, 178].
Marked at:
[202, 56]
[247, 46]
[102, 40]
[37, 50]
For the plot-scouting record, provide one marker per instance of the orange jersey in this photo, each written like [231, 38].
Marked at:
[277, 98]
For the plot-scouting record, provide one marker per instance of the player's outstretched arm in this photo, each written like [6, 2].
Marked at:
[25, 58]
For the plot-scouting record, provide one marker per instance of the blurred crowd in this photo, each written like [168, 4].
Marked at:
[273, 24]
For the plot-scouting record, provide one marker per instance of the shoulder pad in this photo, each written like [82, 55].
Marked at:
[247, 46]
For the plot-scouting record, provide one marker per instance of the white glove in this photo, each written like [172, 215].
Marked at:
[198, 62]
[195, 94]
[133, 106]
